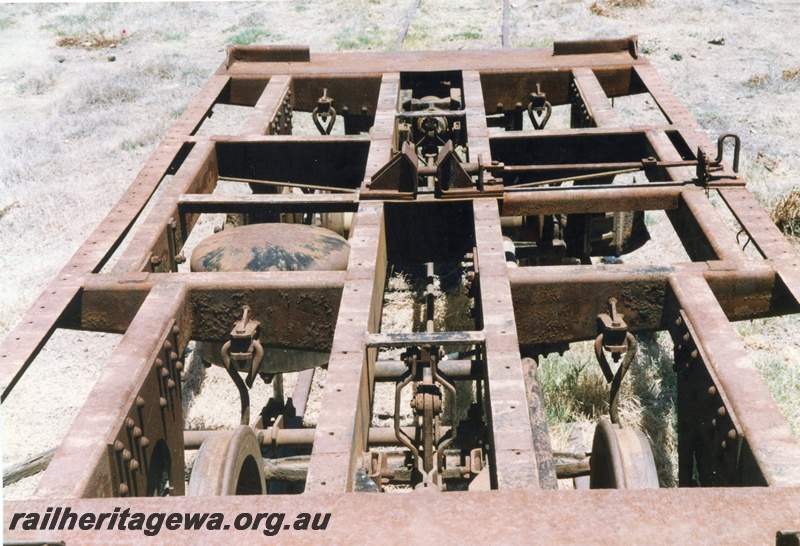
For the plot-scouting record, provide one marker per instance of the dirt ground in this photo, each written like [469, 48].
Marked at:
[91, 89]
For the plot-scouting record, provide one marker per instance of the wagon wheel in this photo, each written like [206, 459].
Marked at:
[621, 459]
[228, 464]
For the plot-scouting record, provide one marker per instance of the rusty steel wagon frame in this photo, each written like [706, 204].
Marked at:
[731, 433]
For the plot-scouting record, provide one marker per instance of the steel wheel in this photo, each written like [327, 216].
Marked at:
[621, 459]
[228, 464]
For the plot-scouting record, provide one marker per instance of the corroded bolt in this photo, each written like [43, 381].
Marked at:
[144, 442]
[137, 432]
[126, 455]
[721, 411]
[123, 489]
[712, 390]
[118, 446]
[129, 423]
[139, 402]
[134, 465]
[162, 402]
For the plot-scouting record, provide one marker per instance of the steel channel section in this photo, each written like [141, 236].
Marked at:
[83, 465]
[678, 516]
[526, 308]
[268, 106]
[345, 411]
[768, 439]
[198, 174]
[514, 455]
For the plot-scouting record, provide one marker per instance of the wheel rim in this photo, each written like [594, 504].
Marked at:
[228, 464]
[621, 459]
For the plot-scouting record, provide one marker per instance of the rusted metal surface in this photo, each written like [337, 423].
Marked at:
[707, 515]
[435, 167]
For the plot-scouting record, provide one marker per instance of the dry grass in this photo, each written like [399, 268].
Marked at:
[791, 75]
[576, 396]
[610, 8]
[786, 213]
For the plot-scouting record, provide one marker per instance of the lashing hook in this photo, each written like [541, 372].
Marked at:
[324, 111]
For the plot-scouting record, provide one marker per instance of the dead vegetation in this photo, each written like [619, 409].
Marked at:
[610, 8]
[92, 40]
[786, 213]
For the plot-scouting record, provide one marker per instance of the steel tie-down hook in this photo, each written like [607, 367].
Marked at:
[325, 111]
[614, 338]
[539, 104]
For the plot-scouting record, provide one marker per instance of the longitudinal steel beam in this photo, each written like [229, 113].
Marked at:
[345, 411]
[769, 454]
[89, 463]
[514, 454]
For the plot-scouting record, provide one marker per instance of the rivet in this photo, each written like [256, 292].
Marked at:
[134, 465]
[173, 356]
[126, 455]
[678, 321]
[167, 345]
[164, 372]
[170, 384]
[144, 442]
[732, 434]
[123, 489]
[176, 330]
[694, 354]
[724, 444]
[139, 401]
[162, 402]
[159, 362]
[137, 432]
[129, 423]
[686, 337]
[179, 365]
[713, 422]
[118, 446]
[721, 411]
[712, 390]
[183, 376]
